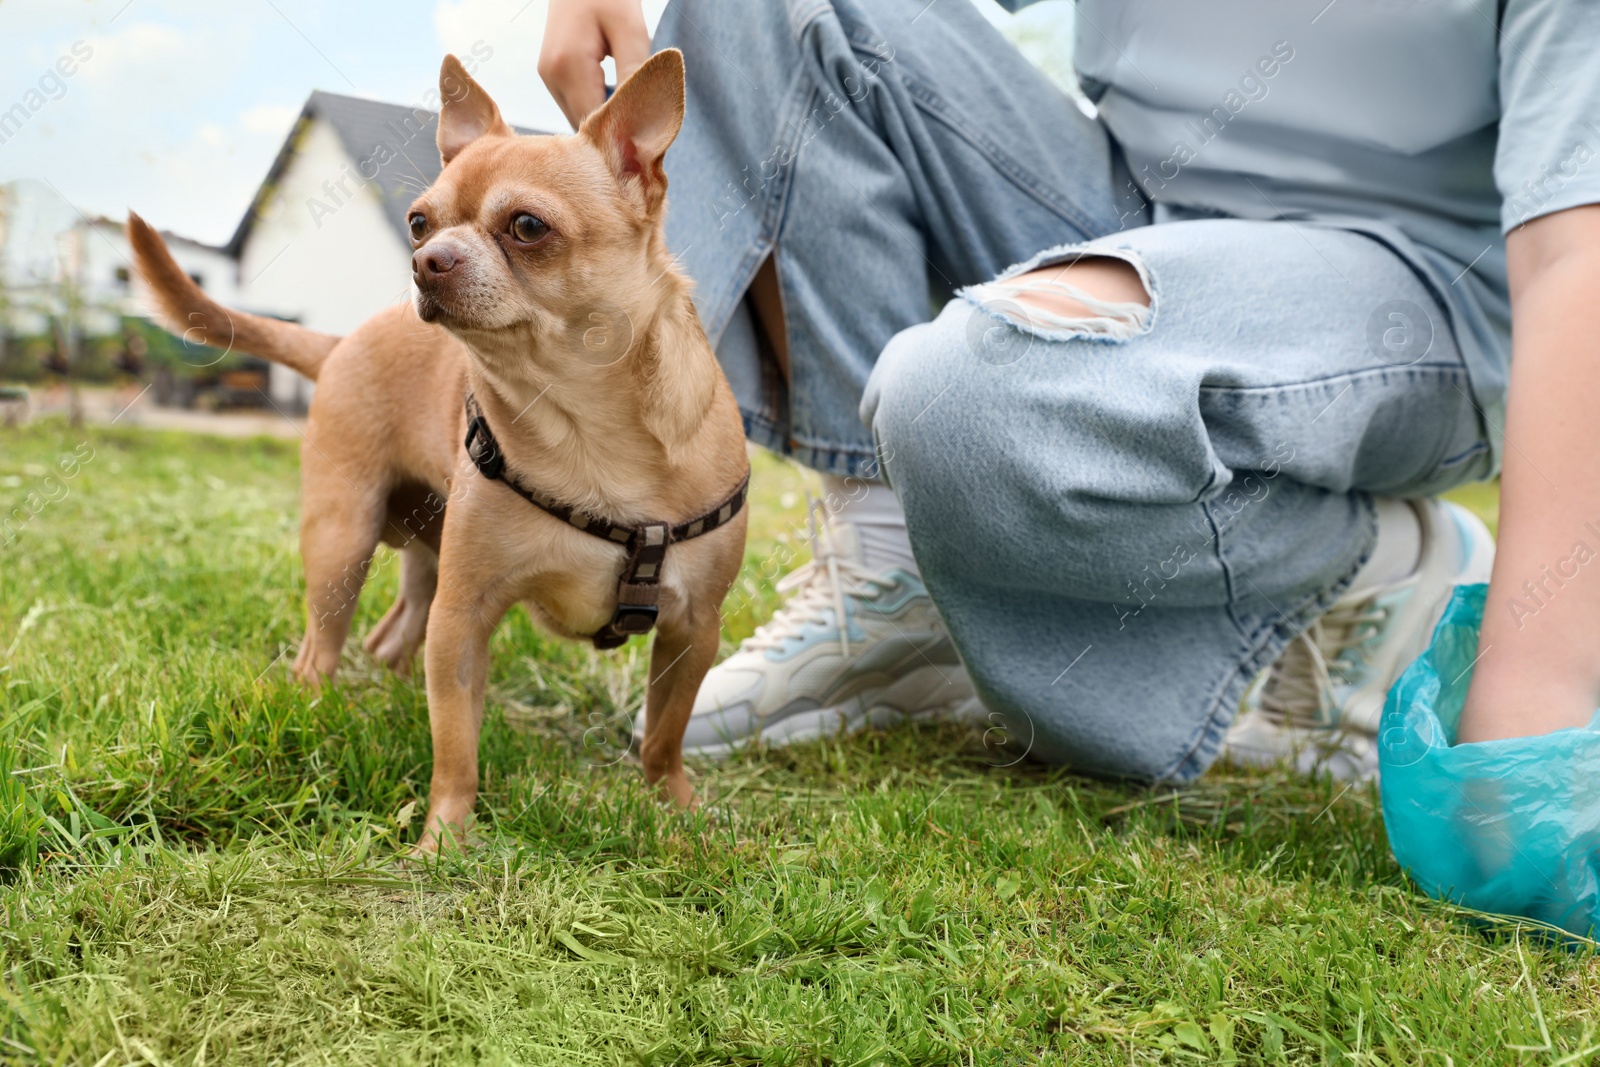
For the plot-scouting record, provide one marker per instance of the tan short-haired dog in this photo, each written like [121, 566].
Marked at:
[603, 431]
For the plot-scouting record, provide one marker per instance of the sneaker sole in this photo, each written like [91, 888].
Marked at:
[1308, 752]
[855, 715]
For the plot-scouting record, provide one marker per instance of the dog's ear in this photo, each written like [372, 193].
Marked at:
[634, 128]
[467, 113]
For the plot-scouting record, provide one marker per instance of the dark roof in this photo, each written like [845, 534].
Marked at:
[393, 146]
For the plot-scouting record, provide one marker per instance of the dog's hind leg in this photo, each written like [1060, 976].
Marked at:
[396, 638]
[336, 546]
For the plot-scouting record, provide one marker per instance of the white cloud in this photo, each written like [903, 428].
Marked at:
[271, 119]
[514, 29]
[184, 103]
[127, 132]
[155, 53]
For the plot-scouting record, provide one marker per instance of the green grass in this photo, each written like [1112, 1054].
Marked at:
[201, 859]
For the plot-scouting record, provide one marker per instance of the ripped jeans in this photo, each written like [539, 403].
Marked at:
[1122, 519]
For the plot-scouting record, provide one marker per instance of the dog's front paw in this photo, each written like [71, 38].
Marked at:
[306, 669]
[448, 829]
[674, 787]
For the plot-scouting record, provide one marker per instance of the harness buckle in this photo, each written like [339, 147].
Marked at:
[632, 619]
[483, 449]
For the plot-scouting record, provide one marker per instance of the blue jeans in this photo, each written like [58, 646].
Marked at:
[1121, 527]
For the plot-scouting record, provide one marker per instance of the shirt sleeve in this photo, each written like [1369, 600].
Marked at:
[1548, 155]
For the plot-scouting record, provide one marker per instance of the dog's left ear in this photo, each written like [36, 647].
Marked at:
[634, 128]
[467, 113]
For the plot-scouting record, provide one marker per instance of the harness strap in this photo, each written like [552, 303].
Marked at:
[639, 584]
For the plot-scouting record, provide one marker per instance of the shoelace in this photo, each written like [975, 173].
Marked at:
[818, 586]
[1299, 689]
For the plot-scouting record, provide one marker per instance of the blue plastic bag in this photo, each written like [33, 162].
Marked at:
[1510, 827]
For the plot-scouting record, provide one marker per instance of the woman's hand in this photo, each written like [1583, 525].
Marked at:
[578, 34]
[1538, 667]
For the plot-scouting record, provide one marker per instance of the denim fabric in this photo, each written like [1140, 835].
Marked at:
[1121, 528]
[1121, 533]
[888, 151]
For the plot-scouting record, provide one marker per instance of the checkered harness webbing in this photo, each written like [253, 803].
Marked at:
[645, 543]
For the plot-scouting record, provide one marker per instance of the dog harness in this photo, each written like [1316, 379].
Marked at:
[639, 587]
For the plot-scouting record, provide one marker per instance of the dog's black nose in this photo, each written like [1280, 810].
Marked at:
[428, 263]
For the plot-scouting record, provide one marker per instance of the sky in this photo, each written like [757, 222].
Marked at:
[176, 108]
[181, 105]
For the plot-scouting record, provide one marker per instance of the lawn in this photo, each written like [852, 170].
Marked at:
[201, 860]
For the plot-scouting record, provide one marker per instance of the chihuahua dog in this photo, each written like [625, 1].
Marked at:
[551, 331]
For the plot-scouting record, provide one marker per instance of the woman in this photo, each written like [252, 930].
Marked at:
[1262, 315]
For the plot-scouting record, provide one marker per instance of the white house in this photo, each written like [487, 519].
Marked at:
[48, 246]
[323, 243]
[106, 269]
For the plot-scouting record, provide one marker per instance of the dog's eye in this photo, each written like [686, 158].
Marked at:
[528, 229]
[419, 227]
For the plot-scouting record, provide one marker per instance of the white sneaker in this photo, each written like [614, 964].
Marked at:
[1318, 706]
[802, 675]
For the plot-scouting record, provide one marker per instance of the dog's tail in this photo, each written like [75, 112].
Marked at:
[194, 316]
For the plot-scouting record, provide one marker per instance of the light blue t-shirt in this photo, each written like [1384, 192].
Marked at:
[1435, 126]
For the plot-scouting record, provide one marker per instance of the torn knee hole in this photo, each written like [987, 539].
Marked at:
[1090, 296]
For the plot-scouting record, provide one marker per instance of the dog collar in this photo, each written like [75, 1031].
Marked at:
[639, 586]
